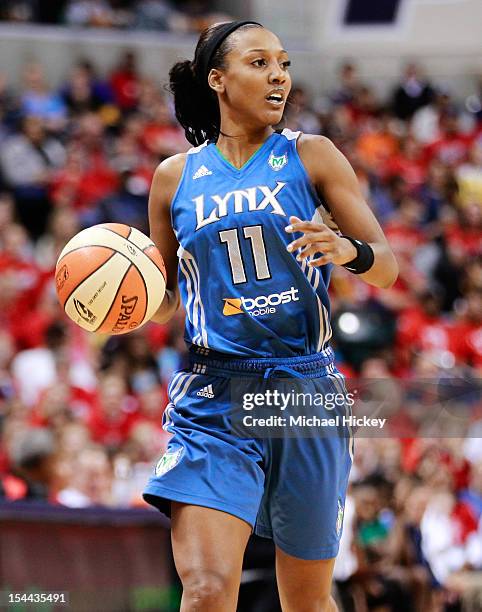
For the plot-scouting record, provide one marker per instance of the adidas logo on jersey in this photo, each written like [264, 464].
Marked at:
[201, 171]
[206, 392]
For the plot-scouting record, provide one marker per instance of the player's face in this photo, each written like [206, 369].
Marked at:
[256, 82]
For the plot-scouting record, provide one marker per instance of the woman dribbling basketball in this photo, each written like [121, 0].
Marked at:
[241, 217]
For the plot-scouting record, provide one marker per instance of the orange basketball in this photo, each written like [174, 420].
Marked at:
[110, 278]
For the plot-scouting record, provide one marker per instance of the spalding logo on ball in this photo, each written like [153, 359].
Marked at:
[110, 278]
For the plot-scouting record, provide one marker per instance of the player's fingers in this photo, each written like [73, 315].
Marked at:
[312, 249]
[294, 219]
[305, 226]
[321, 261]
[308, 238]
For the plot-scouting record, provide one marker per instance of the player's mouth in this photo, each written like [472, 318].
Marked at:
[276, 97]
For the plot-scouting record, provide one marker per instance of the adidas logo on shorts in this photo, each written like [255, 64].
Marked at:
[206, 392]
[201, 171]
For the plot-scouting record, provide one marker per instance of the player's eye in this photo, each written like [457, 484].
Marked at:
[259, 62]
[286, 64]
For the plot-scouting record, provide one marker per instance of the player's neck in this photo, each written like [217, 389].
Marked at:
[238, 144]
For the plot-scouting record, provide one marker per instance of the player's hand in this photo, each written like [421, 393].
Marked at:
[319, 238]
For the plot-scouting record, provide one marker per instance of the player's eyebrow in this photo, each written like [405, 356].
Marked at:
[264, 51]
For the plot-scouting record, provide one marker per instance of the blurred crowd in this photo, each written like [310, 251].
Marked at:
[81, 415]
[179, 16]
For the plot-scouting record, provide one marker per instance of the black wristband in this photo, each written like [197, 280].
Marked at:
[364, 257]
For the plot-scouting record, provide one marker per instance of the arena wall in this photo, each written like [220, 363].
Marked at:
[443, 35]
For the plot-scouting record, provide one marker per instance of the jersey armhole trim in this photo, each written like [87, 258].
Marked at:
[318, 201]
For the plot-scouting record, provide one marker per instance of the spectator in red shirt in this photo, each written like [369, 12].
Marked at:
[406, 236]
[407, 162]
[464, 238]
[452, 146]
[422, 328]
[125, 82]
[66, 182]
[161, 136]
[461, 240]
[467, 339]
[365, 106]
[113, 413]
[404, 231]
[20, 278]
[31, 330]
[89, 176]
[128, 204]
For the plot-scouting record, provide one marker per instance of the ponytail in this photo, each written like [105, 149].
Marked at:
[196, 106]
[195, 103]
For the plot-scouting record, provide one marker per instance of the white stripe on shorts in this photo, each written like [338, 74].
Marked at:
[339, 382]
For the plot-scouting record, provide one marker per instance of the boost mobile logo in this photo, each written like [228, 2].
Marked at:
[260, 305]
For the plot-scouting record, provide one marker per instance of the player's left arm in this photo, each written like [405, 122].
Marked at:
[336, 182]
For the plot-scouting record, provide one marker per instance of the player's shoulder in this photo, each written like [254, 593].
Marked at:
[171, 167]
[314, 144]
[318, 154]
[166, 178]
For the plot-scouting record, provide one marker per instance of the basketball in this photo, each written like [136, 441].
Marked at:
[110, 278]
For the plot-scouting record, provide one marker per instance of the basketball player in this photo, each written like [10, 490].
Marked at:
[241, 216]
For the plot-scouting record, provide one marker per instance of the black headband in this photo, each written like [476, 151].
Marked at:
[213, 44]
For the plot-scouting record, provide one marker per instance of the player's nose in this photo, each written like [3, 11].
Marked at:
[277, 75]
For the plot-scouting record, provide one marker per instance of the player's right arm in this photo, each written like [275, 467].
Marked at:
[164, 185]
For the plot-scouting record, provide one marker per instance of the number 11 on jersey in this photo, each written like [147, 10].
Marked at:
[254, 233]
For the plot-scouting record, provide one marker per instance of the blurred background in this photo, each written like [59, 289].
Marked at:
[84, 120]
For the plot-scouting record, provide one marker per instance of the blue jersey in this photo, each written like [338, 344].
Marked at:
[244, 294]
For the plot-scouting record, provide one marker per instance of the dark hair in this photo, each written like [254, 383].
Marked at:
[195, 103]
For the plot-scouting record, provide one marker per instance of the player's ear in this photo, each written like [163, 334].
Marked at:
[216, 80]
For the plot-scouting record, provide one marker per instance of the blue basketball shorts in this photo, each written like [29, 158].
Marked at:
[290, 488]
